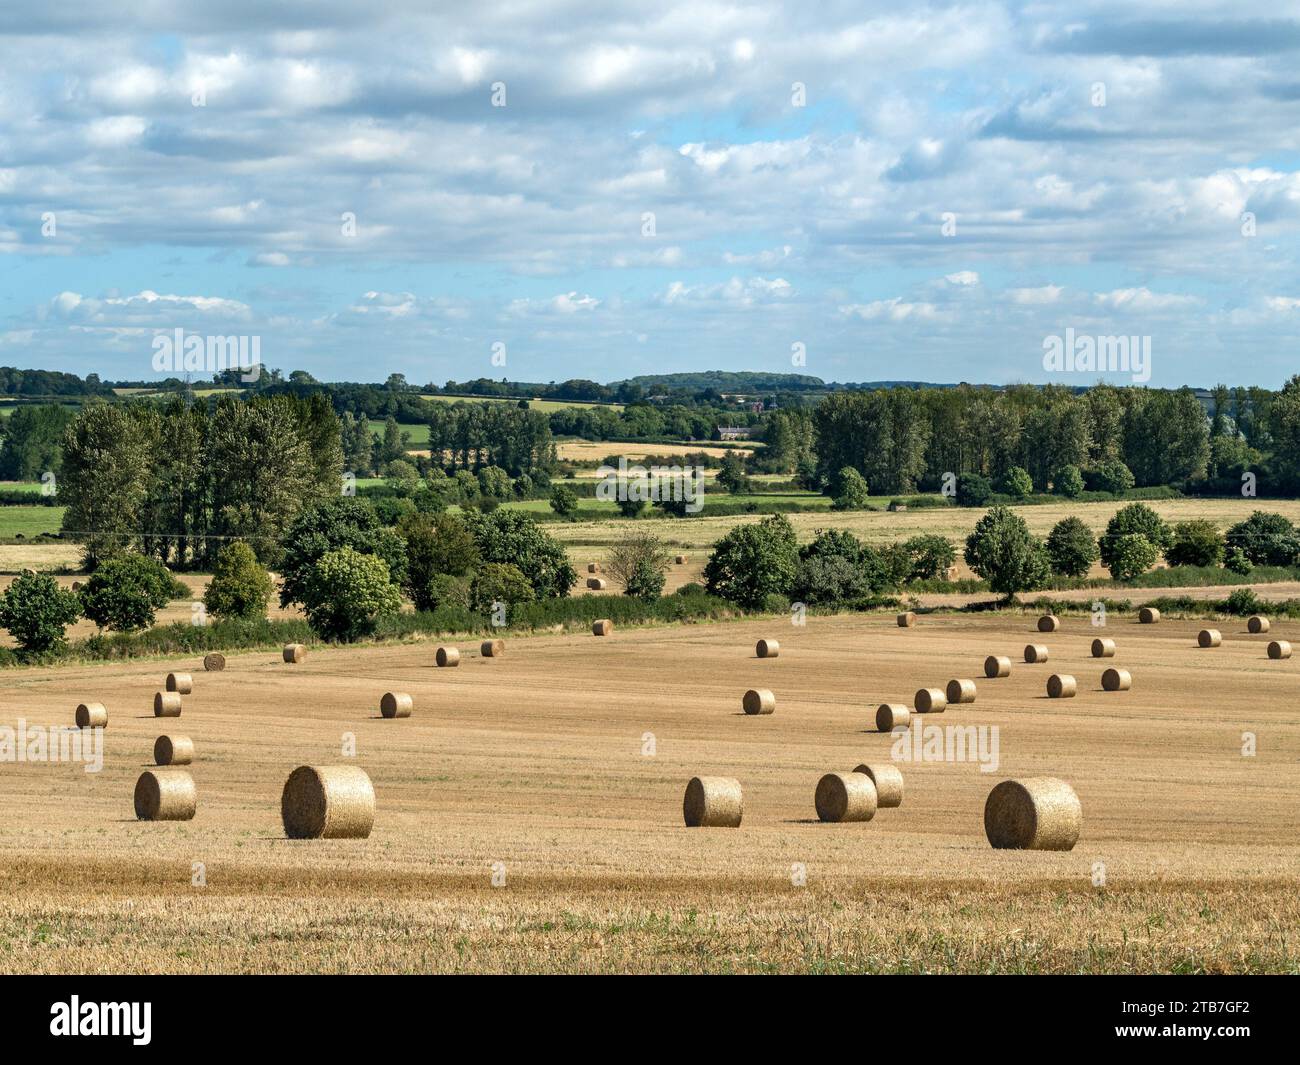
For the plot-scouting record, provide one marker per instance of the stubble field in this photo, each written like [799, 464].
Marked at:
[559, 769]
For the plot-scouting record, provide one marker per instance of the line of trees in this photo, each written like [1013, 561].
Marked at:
[474, 435]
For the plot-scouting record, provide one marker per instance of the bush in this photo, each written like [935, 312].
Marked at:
[1017, 483]
[973, 490]
[1071, 548]
[752, 561]
[1235, 559]
[1266, 539]
[435, 545]
[1136, 519]
[929, 557]
[445, 590]
[826, 580]
[37, 612]
[640, 563]
[1113, 477]
[346, 593]
[631, 508]
[240, 585]
[344, 521]
[850, 490]
[1068, 482]
[1242, 602]
[1195, 543]
[1130, 555]
[514, 537]
[499, 582]
[564, 501]
[1002, 550]
[126, 592]
[692, 588]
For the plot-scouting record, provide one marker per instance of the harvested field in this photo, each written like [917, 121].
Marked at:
[536, 763]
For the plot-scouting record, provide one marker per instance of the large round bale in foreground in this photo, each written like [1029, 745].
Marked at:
[1049, 623]
[845, 797]
[960, 691]
[328, 802]
[173, 750]
[767, 648]
[294, 652]
[997, 666]
[166, 704]
[758, 701]
[1036, 652]
[182, 683]
[888, 780]
[596, 584]
[447, 656]
[1209, 638]
[1117, 680]
[1279, 649]
[929, 701]
[712, 802]
[92, 715]
[1037, 814]
[214, 663]
[1103, 648]
[890, 716]
[1148, 615]
[603, 627]
[1257, 623]
[906, 620]
[1061, 686]
[492, 648]
[396, 704]
[165, 795]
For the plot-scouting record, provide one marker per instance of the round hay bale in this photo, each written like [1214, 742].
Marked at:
[396, 704]
[1103, 648]
[1117, 680]
[165, 795]
[183, 683]
[680, 560]
[214, 663]
[596, 584]
[603, 627]
[1209, 638]
[92, 715]
[888, 780]
[1049, 623]
[997, 666]
[166, 704]
[1061, 686]
[328, 802]
[767, 648]
[1279, 649]
[960, 691]
[593, 567]
[1257, 623]
[712, 802]
[492, 648]
[173, 750]
[1148, 615]
[929, 701]
[906, 620]
[76, 586]
[294, 652]
[1036, 652]
[890, 716]
[845, 797]
[447, 656]
[758, 701]
[1037, 814]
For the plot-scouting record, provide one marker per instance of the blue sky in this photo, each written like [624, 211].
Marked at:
[1105, 172]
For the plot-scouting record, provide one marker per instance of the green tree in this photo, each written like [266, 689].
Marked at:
[1002, 550]
[499, 582]
[1195, 543]
[436, 545]
[33, 437]
[973, 490]
[732, 475]
[513, 536]
[851, 491]
[347, 593]
[929, 557]
[1113, 477]
[639, 561]
[1136, 519]
[341, 521]
[240, 585]
[1130, 555]
[1071, 548]
[126, 592]
[564, 501]
[1266, 539]
[37, 612]
[1017, 483]
[753, 561]
[1068, 482]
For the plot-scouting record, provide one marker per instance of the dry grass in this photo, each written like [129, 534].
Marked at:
[538, 761]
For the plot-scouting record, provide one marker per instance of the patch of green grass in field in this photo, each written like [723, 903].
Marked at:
[29, 521]
[34, 487]
[416, 435]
